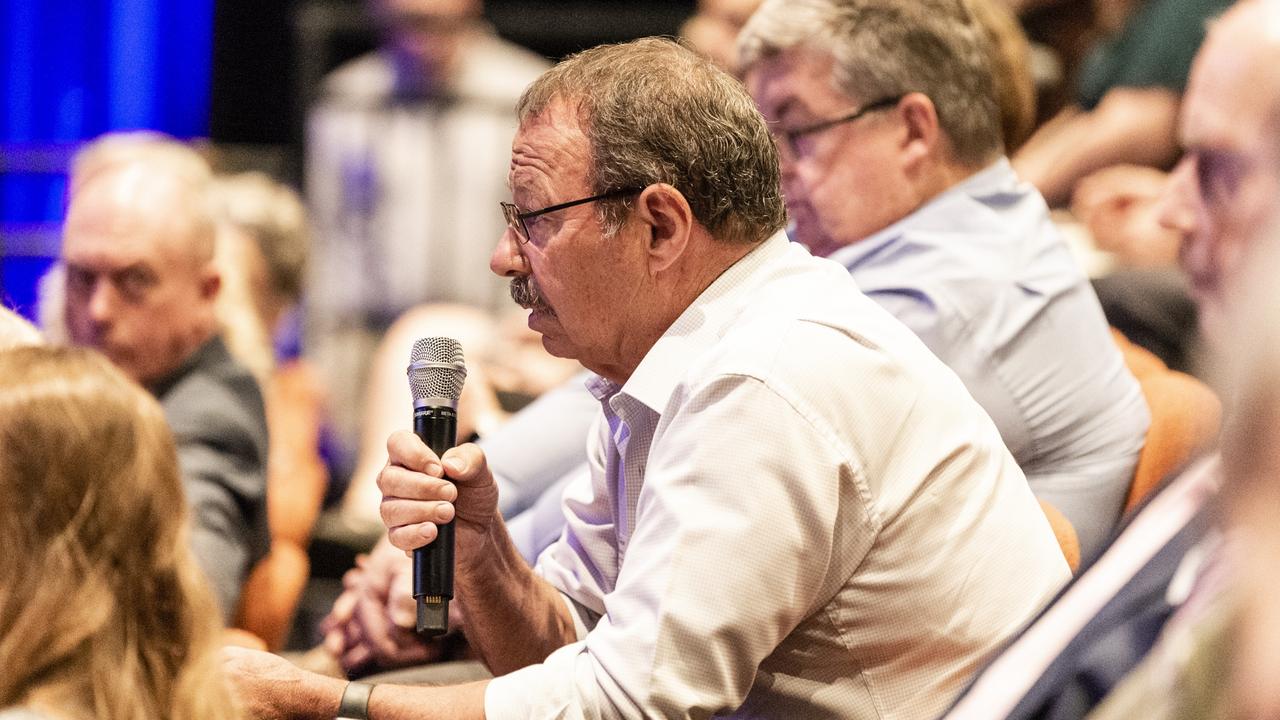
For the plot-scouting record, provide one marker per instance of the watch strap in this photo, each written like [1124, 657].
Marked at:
[355, 701]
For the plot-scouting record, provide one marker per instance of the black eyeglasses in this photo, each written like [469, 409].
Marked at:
[796, 135]
[515, 218]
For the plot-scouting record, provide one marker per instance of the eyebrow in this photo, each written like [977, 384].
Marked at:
[137, 265]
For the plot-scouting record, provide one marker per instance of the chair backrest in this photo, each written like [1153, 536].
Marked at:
[1185, 418]
[296, 481]
[1065, 533]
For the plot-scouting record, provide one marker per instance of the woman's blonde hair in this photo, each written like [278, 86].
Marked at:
[103, 612]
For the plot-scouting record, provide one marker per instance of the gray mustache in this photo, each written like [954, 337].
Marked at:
[525, 292]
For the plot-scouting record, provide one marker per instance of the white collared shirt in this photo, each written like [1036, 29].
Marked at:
[794, 510]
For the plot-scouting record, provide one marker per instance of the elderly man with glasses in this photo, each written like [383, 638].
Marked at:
[892, 165]
[900, 177]
[793, 510]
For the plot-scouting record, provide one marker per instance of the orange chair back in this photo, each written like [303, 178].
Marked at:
[1185, 418]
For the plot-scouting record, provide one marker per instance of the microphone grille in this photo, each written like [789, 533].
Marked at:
[436, 369]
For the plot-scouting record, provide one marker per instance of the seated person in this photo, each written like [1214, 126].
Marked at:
[754, 406]
[140, 286]
[892, 165]
[104, 613]
[934, 227]
[1223, 192]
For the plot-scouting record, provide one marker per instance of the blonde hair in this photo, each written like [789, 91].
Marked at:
[273, 215]
[103, 612]
[16, 331]
[259, 219]
[1011, 70]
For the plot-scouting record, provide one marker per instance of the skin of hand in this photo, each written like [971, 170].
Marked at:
[416, 496]
[525, 618]
[372, 622]
[1120, 206]
[268, 686]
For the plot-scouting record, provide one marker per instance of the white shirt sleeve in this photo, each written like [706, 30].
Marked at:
[583, 560]
[732, 549]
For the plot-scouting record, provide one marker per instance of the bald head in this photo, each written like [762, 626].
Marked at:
[1228, 182]
[138, 248]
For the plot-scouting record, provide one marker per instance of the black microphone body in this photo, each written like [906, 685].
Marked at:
[433, 564]
[436, 374]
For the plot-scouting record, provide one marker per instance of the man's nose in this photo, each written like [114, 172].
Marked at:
[507, 259]
[102, 303]
[1176, 207]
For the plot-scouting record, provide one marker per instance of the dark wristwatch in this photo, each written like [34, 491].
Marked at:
[355, 701]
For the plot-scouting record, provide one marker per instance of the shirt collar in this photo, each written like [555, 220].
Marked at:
[996, 178]
[698, 328]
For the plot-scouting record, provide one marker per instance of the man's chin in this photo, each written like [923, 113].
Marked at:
[545, 323]
[540, 319]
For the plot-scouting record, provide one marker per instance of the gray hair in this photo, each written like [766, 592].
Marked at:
[884, 48]
[654, 111]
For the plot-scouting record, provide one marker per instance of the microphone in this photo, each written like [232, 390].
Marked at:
[436, 373]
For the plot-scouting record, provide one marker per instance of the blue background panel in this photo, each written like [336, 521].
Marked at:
[71, 70]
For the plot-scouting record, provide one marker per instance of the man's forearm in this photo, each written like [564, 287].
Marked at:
[513, 617]
[1130, 126]
[317, 697]
[400, 702]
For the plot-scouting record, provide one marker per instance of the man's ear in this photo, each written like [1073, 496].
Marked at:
[666, 215]
[921, 132]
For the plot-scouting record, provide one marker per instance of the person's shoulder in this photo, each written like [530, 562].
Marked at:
[809, 318]
[217, 396]
[972, 250]
[497, 71]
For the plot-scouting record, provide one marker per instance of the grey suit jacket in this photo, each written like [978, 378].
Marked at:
[214, 408]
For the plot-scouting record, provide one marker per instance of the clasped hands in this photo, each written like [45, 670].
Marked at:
[372, 622]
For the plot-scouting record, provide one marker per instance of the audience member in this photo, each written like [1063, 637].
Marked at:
[1127, 97]
[405, 152]
[1225, 188]
[889, 135]
[104, 613]
[998, 297]
[138, 246]
[879, 498]
[262, 253]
